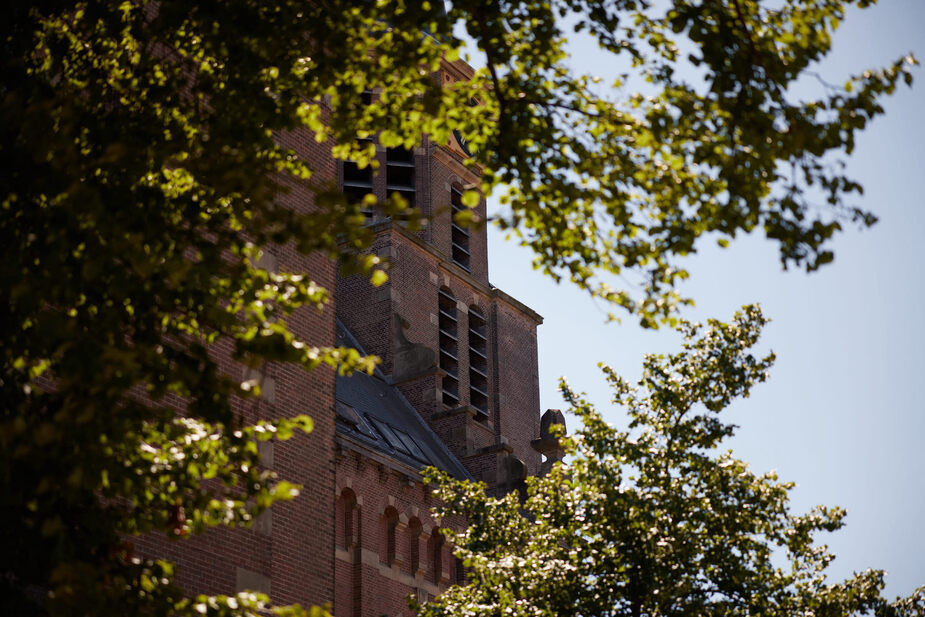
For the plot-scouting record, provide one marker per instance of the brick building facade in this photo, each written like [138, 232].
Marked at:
[457, 388]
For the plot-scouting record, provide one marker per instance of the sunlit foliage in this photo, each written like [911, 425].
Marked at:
[656, 519]
[142, 174]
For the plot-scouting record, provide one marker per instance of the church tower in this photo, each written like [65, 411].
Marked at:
[457, 387]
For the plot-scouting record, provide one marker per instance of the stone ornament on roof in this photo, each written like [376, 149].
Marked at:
[548, 444]
[410, 359]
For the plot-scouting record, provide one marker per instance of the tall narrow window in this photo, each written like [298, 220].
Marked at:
[449, 346]
[359, 182]
[435, 556]
[459, 235]
[478, 363]
[414, 538]
[346, 510]
[399, 173]
[459, 571]
[389, 526]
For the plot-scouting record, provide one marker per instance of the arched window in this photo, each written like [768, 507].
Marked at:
[478, 362]
[389, 525]
[346, 516]
[459, 236]
[435, 555]
[459, 571]
[414, 538]
[449, 346]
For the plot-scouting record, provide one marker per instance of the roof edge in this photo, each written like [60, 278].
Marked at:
[401, 397]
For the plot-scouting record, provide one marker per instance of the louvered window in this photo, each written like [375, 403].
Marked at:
[459, 235]
[359, 182]
[449, 346]
[399, 173]
[478, 363]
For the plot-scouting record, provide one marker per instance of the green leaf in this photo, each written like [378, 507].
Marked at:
[471, 199]
[378, 278]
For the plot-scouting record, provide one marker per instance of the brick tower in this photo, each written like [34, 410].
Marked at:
[457, 387]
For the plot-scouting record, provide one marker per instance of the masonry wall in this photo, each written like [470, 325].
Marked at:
[367, 310]
[288, 552]
[415, 277]
[417, 273]
[387, 544]
[446, 170]
[332, 542]
[517, 380]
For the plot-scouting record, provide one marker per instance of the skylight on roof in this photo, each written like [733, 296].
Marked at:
[412, 445]
[399, 440]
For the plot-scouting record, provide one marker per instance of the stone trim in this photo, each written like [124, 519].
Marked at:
[449, 157]
[392, 572]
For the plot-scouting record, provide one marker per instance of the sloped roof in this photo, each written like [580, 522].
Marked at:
[374, 413]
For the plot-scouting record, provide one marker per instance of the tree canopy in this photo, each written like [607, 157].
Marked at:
[656, 519]
[141, 164]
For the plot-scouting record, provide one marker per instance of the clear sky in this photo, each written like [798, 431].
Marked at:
[843, 414]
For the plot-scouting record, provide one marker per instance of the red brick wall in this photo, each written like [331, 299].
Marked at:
[445, 171]
[415, 276]
[517, 380]
[366, 310]
[302, 542]
[367, 584]
[300, 551]
[423, 394]
[414, 296]
[290, 550]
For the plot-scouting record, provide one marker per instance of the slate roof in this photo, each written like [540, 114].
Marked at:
[374, 413]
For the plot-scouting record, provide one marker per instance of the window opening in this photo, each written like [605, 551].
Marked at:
[459, 235]
[436, 555]
[478, 363]
[399, 173]
[390, 523]
[414, 536]
[347, 506]
[359, 182]
[459, 574]
[449, 346]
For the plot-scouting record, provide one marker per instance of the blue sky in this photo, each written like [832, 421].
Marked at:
[843, 415]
